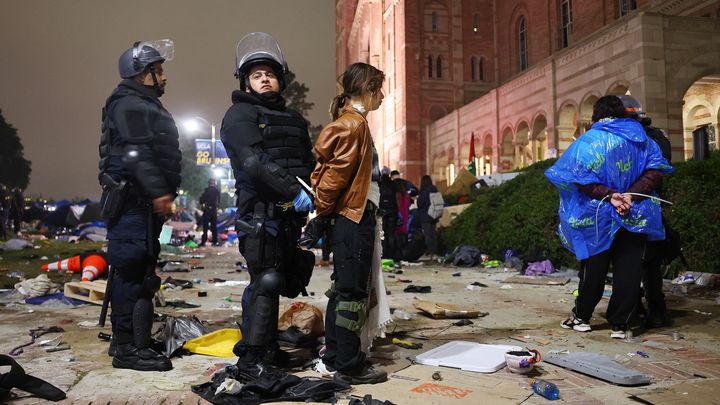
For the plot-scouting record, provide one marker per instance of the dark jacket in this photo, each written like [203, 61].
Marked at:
[210, 199]
[140, 141]
[423, 203]
[268, 146]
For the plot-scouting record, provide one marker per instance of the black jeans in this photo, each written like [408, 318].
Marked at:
[352, 246]
[626, 256]
[430, 234]
[652, 279]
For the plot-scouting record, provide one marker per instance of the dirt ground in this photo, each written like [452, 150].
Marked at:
[522, 315]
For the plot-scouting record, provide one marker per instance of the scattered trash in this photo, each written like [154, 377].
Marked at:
[306, 317]
[58, 348]
[232, 283]
[219, 343]
[642, 354]
[506, 287]
[421, 289]
[522, 361]
[181, 304]
[539, 268]
[598, 366]
[406, 344]
[513, 262]
[229, 386]
[174, 267]
[437, 376]
[537, 280]
[16, 244]
[492, 264]
[400, 314]
[468, 356]
[559, 351]
[545, 389]
[687, 278]
[449, 311]
[202, 294]
[463, 322]
[660, 345]
[36, 287]
[475, 286]
[697, 311]
[458, 274]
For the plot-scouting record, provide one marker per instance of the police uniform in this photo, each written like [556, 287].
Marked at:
[139, 148]
[268, 146]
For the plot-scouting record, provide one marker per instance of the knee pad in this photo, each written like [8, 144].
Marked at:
[271, 284]
[150, 285]
[357, 307]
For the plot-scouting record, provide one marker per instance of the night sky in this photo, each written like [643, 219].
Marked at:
[59, 64]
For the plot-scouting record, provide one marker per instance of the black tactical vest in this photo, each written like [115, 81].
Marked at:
[164, 142]
[286, 140]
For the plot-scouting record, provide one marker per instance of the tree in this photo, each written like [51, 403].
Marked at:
[14, 168]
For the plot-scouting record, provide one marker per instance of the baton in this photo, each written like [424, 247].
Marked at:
[106, 298]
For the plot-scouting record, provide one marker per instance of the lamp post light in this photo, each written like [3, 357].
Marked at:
[193, 125]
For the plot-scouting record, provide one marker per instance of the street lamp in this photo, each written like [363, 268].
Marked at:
[193, 125]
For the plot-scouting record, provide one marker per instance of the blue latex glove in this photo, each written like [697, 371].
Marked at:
[303, 202]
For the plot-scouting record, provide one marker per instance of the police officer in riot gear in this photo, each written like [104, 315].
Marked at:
[656, 315]
[269, 149]
[139, 173]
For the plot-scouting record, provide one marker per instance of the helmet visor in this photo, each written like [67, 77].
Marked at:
[258, 45]
[165, 47]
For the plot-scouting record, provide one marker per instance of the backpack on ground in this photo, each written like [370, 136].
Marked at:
[437, 203]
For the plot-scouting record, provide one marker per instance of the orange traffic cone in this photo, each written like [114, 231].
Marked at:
[92, 267]
[72, 264]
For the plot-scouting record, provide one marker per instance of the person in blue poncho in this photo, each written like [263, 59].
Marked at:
[605, 218]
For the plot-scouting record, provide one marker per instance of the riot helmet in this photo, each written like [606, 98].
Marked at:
[259, 48]
[634, 110]
[142, 54]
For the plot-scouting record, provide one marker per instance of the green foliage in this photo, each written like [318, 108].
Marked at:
[295, 95]
[694, 189]
[521, 214]
[14, 168]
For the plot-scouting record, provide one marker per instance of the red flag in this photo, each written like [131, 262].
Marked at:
[472, 147]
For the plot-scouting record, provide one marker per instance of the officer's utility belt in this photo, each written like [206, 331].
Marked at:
[113, 198]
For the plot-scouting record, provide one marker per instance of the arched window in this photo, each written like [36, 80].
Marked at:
[476, 22]
[434, 21]
[438, 70]
[481, 69]
[626, 6]
[473, 62]
[522, 44]
[430, 66]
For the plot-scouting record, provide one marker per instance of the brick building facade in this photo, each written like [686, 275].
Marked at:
[522, 76]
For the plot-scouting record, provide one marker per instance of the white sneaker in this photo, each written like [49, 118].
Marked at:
[618, 333]
[323, 370]
[575, 323]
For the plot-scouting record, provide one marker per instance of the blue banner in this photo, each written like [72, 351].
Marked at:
[203, 153]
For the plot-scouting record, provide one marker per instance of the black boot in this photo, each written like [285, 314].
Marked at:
[112, 347]
[146, 359]
[252, 364]
[283, 360]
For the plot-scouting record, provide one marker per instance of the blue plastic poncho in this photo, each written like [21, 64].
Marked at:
[613, 153]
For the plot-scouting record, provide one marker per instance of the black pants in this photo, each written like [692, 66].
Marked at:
[652, 279]
[352, 245]
[626, 256]
[209, 222]
[430, 234]
[389, 241]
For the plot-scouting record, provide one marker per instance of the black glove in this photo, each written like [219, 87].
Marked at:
[314, 230]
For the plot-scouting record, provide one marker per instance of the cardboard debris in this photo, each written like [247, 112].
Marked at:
[447, 311]
[706, 391]
[537, 280]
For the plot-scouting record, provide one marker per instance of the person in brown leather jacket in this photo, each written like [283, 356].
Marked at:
[347, 195]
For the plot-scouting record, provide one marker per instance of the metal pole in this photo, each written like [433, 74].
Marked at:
[212, 129]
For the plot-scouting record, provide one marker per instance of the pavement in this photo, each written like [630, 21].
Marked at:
[683, 355]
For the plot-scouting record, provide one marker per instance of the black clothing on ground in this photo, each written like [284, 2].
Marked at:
[352, 245]
[209, 202]
[625, 254]
[269, 146]
[139, 145]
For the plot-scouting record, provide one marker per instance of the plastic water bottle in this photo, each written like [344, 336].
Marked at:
[545, 388]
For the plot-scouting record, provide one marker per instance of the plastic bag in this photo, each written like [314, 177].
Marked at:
[178, 330]
[307, 318]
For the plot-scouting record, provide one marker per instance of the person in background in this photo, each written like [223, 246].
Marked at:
[209, 202]
[17, 208]
[601, 224]
[409, 186]
[428, 223]
[4, 211]
[347, 195]
[389, 208]
[403, 217]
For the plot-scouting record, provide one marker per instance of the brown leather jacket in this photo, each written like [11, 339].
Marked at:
[342, 175]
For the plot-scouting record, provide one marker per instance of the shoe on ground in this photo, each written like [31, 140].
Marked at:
[130, 357]
[325, 370]
[368, 375]
[283, 360]
[576, 324]
[653, 322]
[618, 332]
